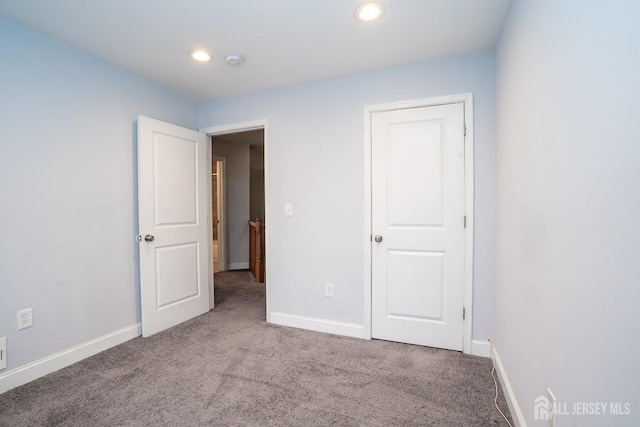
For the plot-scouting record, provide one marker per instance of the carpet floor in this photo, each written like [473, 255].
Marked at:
[229, 367]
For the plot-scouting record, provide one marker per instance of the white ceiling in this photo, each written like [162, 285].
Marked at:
[284, 41]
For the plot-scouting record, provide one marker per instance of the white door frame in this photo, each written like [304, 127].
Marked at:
[222, 215]
[467, 100]
[243, 127]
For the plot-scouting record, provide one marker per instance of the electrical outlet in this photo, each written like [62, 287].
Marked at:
[328, 290]
[25, 318]
[552, 409]
[3, 353]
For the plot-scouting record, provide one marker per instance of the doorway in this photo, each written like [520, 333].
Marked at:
[245, 188]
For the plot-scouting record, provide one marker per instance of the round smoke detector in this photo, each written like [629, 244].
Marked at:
[234, 58]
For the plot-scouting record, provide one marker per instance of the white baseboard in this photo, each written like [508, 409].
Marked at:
[353, 330]
[514, 407]
[481, 348]
[239, 266]
[34, 370]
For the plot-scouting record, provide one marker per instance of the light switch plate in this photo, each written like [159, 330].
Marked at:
[328, 290]
[288, 209]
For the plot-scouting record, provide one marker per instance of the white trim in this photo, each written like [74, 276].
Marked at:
[467, 100]
[210, 222]
[469, 211]
[222, 218]
[367, 222]
[242, 127]
[34, 370]
[222, 236]
[239, 266]
[481, 348]
[424, 102]
[509, 395]
[235, 127]
[353, 330]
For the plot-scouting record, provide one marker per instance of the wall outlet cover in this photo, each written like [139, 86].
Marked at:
[25, 318]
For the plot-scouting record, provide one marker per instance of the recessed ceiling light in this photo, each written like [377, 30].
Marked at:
[368, 12]
[200, 55]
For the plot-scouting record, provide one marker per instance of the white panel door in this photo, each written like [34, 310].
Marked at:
[418, 213]
[174, 237]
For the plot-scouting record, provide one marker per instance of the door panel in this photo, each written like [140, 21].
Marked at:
[172, 207]
[418, 210]
[415, 284]
[175, 190]
[176, 274]
[412, 141]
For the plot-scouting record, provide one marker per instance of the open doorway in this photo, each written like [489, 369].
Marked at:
[238, 170]
[239, 133]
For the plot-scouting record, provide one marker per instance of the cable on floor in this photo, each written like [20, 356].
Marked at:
[495, 400]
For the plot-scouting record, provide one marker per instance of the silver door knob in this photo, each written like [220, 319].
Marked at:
[149, 238]
[378, 238]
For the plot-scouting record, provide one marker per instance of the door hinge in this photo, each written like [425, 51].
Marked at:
[465, 221]
[464, 313]
[465, 130]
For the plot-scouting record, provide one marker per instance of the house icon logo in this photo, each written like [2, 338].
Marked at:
[541, 408]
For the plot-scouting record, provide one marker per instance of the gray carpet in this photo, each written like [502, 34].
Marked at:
[230, 368]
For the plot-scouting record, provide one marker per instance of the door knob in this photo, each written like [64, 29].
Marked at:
[378, 238]
[149, 238]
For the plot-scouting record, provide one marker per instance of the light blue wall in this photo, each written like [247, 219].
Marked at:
[568, 271]
[316, 161]
[68, 159]
[67, 168]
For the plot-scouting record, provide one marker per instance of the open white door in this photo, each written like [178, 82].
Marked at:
[174, 234]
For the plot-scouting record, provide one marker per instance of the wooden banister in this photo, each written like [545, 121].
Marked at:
[256, 249]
